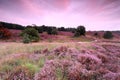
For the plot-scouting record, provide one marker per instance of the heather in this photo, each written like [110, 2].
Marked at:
[82, 61]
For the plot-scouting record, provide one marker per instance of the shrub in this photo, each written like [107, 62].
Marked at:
[30, 35]
[26, 38]
[108, 35]
[4, 33]
[96, 34]
[80, 31]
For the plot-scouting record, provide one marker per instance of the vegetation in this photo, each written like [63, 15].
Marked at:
[108, 35]
[40, 29]
[12, 26]
[88, 61]
[67, 29]
[30, 35]
[26, 38]
[52, 30]
[80, 31]
[4, 33]
[96, 34]
[66, 59]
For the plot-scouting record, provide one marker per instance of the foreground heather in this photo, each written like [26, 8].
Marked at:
[64, 63]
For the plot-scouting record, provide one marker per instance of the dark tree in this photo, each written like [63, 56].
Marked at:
[108, 35]
[61, 29]
[52, 30]
[96, 34]
[12, 26]
[40, 29]
[80, 31]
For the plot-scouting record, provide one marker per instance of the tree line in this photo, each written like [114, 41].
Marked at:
[40, 29]
[12, 26]
[31, 32]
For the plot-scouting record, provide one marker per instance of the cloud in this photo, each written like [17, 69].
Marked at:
[94, 14]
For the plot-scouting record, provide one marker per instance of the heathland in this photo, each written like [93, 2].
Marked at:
[59, 56]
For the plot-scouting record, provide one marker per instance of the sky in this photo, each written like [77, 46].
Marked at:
[93, 14]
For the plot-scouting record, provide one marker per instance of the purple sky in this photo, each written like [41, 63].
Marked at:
[93, 14]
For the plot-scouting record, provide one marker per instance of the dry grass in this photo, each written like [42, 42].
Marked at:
[13, 47]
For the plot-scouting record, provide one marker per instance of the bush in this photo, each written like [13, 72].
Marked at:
[30, 35]
[80, 31]
[96, 34]
[4, 33]
[26, 38]
[108, 35]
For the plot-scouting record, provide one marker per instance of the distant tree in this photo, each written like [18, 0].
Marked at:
[61, 29]
[96, 34]
[30, 33]
[52, 30]
[12, 26]
[71, 30]
[28, 26]
[80, 31]
[67, 29]
[40, 29]
[44, 28]
[108, 35]
[49, 30]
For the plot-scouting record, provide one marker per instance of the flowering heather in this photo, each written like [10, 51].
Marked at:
[47, 72]
[64, 63]
[87, 65]
[112, 76]
[20, 73]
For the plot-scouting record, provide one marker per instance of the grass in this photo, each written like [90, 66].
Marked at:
[83, 39]
[60, 75]
[41, 62]
[9, 48]
[9, 65]
[33, 68]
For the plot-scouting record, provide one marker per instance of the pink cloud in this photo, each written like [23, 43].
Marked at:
[31, 7]
[94, 14]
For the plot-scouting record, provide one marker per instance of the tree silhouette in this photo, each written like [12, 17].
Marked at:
[80, 31]
[108, 35]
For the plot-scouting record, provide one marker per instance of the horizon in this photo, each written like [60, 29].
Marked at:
[93, 14]
[60, 27]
